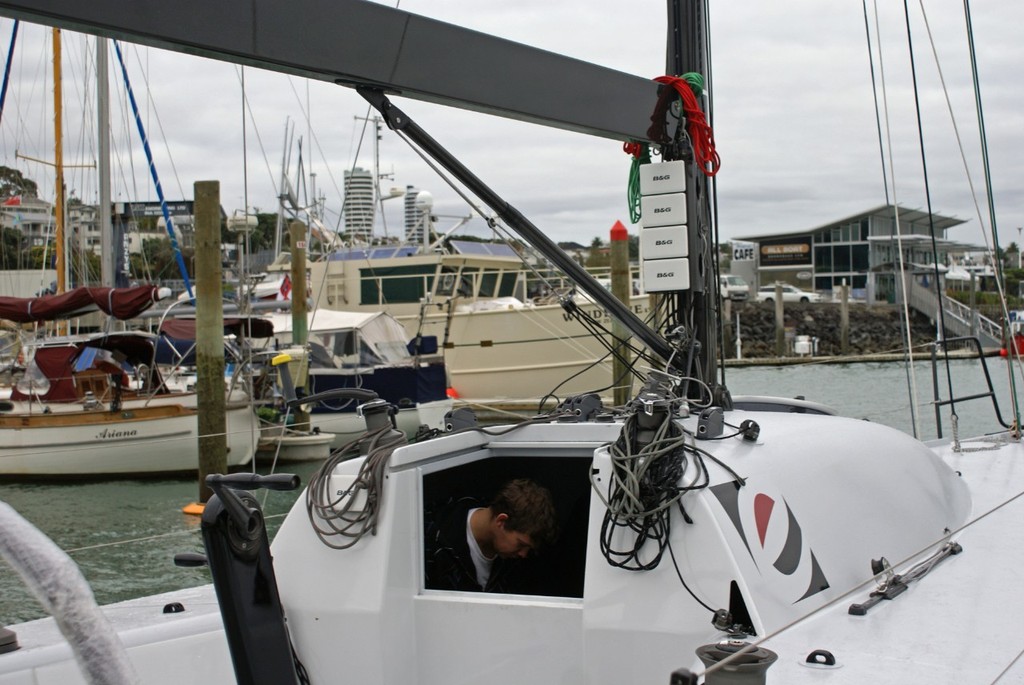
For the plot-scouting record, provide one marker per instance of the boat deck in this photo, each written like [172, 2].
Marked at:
[950, 626]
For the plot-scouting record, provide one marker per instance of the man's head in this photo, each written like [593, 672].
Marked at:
[523, 517]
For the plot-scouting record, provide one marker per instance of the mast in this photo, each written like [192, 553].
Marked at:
[695, 309]
[58, 161]
[108, 253]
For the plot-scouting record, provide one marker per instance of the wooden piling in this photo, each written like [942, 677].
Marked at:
[210, 388]
[300, 321]
[780, 323]
[844, 319]
[622, 288]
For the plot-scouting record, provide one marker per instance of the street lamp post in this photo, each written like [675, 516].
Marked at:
[1019, 229]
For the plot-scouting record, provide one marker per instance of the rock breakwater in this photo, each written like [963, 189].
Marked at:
[878, 329]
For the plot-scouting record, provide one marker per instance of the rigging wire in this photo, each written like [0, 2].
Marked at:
[907, 367]
[928, 201]
[991, 207]
[902, 281]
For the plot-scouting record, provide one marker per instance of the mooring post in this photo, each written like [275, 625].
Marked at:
[622, 288]
[844, 319]
[300, 322]
[780, 324]
[210, 389]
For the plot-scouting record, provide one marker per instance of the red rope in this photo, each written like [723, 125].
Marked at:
[701, 135]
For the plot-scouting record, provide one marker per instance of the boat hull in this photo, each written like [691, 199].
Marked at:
[523, 353]
[157, 439]
[578, 636]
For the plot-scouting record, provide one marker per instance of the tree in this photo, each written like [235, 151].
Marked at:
[158, 260]
[10, 248]
[12, 183]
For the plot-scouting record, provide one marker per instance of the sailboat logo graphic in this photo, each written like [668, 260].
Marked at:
[779, 544]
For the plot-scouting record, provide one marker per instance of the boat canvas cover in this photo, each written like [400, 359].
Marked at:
[380, 331]
[251, 327]
[117, 352]
[177, 341]
[122, 303]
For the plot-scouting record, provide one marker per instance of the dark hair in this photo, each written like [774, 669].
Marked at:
[530, 510]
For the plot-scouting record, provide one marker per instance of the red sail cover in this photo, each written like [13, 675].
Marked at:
[122, 303]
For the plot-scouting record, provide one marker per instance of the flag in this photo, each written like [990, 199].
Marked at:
[285, 293]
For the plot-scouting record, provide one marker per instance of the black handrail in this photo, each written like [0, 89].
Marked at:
[939, 403]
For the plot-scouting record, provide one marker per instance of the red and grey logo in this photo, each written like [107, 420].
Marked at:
[779, 545]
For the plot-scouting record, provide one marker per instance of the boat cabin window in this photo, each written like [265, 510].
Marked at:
[488, 283]
[557, 571]
[396, 284]
[468, 281]
[446, 283]
[333, 349]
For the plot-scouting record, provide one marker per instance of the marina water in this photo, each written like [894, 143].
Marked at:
[124, 534]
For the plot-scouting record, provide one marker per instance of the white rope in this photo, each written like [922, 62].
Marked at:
[58, 584]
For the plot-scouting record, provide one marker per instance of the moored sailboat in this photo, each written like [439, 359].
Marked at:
[96, 406]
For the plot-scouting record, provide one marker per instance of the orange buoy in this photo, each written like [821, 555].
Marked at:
[193, 509]
[452, 393]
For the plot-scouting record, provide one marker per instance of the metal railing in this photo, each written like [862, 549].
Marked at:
[960, 319]
[939, 403]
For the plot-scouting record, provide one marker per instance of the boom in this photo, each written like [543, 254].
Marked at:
[355, 42]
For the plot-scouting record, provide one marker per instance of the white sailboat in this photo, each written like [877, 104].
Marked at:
[704, 537]
[95, 405]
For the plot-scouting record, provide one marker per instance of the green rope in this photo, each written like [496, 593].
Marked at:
[633, 188]
[696, 82]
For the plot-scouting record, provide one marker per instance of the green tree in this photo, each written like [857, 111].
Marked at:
[12, 183]
[600, 256]
[10, 248]
[158, 260]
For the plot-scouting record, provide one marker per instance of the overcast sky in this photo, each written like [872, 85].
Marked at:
[794, 122]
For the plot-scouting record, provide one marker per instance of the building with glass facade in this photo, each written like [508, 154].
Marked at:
[862, 251]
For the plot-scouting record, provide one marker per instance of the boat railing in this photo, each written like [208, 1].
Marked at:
[949, 344]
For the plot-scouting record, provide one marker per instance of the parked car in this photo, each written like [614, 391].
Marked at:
[790, 293]
[733, 288]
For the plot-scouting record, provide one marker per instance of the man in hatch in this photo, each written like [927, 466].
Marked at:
[470, 547]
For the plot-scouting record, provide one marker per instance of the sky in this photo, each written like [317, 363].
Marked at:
[794, 118]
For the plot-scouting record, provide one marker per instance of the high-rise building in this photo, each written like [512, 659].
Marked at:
[359, 204]
[413, 216]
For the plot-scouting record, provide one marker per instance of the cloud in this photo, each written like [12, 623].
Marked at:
[794, 116]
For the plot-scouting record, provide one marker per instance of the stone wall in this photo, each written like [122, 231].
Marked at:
[877, 329]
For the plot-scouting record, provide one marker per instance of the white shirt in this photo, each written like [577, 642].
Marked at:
[481, 563]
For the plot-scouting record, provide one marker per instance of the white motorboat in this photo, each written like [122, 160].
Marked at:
[502, 340]
[368, 351]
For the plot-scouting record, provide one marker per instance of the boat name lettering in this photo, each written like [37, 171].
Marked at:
[110, 434]
[598, 314]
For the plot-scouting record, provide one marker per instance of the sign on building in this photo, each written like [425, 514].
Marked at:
[789, 251]
[743, 252]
